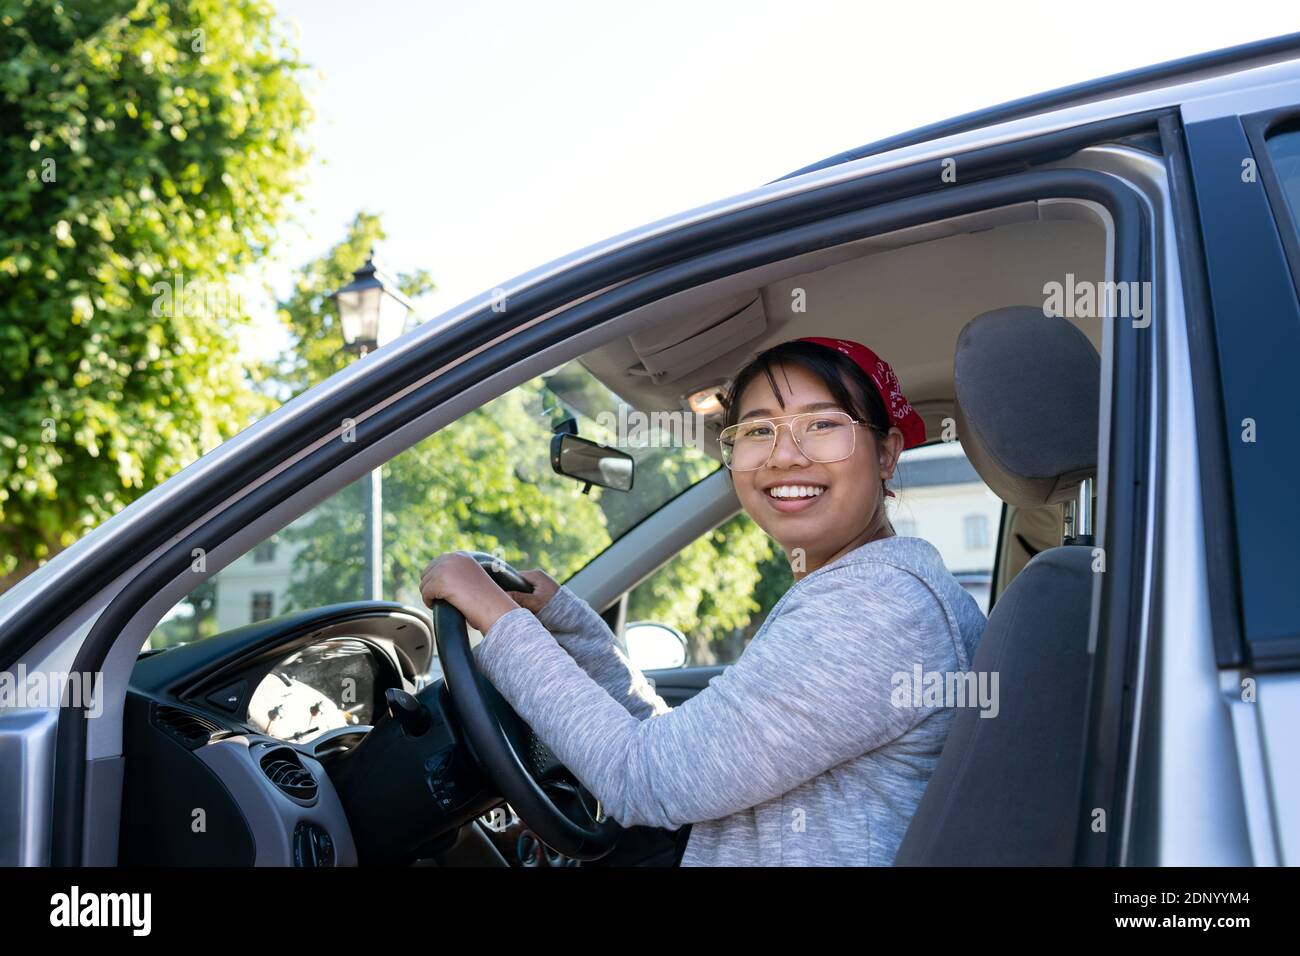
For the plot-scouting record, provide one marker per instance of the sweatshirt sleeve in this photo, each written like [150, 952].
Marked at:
[821, 684]
[585, 635]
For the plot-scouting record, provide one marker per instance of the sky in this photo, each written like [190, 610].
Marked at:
[493, 137]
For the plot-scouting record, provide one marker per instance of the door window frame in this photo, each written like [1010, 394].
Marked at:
[1239, 226]
[1259, 127]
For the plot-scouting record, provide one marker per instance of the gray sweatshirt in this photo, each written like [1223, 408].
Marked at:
[812, 749]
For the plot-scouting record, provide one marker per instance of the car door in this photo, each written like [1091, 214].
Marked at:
[1243, 166]
[93, 606]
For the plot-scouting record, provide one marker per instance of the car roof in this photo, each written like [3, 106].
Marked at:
[1200, 66]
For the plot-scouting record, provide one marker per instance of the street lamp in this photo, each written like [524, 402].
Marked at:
[372, 312]
[372, 309]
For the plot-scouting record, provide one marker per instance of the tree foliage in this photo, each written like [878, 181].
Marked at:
[147, 152]
[717, 590]
[482, 483]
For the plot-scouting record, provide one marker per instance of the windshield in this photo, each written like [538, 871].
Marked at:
[484, 483]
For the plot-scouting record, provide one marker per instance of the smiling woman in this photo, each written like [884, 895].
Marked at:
[836, 387]
[761, 760]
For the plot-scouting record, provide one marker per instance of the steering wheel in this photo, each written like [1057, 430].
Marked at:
[516, 761]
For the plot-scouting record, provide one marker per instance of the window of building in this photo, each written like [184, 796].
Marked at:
[977, 531]
[263, 605]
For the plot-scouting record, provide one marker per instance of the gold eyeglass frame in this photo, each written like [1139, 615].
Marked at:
[780, 421]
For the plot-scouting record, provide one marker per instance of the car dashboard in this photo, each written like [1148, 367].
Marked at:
[242, 749]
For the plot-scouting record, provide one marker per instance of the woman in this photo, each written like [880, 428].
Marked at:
[811, 749]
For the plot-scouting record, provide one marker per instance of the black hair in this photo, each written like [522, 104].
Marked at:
[848, 384]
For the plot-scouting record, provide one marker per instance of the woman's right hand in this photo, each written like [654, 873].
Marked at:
[544, 588]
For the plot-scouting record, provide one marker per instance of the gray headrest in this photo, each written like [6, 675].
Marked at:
[1028, 391]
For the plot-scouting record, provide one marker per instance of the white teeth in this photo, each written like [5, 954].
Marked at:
[795, 491]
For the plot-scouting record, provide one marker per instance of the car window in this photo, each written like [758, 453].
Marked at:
[482, 483]
[718, 591]
[1284, 152]
[940, 497]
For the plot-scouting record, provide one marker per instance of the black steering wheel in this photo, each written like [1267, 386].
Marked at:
[516, 761]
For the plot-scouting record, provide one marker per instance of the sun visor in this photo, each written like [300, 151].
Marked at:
[667, 354]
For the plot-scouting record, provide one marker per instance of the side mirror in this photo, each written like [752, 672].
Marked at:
[594, 464]
[652, 646]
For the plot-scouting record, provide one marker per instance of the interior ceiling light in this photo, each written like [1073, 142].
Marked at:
[706, 401]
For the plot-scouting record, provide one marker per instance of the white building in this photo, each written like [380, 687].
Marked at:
[941, 498]
[255, 586]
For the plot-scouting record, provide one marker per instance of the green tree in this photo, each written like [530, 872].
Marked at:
[717, 590]
[482, 483]
[148, 149]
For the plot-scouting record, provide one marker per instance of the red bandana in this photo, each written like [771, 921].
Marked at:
[900, 412]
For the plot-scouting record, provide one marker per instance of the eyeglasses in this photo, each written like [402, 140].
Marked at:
[819, 436]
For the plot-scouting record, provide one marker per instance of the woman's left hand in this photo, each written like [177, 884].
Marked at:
[457, 578]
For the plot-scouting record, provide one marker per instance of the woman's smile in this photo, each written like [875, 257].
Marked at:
[791, 497]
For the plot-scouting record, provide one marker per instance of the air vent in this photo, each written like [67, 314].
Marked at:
[283, 767]
[191, 729]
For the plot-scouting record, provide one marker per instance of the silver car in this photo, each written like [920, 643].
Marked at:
[1092, 292]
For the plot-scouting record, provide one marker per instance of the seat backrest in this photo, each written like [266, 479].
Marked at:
[1006, 788]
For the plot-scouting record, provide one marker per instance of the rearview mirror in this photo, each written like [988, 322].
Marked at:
[652, 646]
[594, 464]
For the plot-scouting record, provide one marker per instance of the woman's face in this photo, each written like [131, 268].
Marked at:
[843, 515]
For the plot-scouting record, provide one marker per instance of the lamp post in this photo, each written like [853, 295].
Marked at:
[372, 312]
